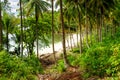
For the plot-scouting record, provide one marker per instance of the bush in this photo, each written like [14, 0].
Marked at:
[94, 61]
[16, 68]
[101, 60]
[74, 59]
[114, 61]
[60, 66]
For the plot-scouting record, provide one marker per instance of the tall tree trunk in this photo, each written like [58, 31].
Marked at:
[86, 24]
[53, 47]
[77, 36]
[102, 26]
[100, 29]
[115, 29]
[21, 23]
[63, 33]
[0, 27]
[73, 40]
[7, 42]
[70, 35]
[98, 24]
[80, 32]
[105, 30]
[36, 17]
[90, 32]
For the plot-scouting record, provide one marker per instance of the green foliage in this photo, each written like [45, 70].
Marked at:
[94, 61]
[114, 60]
[16, 68]
[76, 50]
[60, 66]
[74, 59]
[102, 59]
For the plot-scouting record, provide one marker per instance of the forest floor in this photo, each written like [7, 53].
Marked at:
[71, 73]
[47, 60]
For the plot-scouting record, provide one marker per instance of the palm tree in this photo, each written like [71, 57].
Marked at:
[39, 6]
[69, 16]
[75, 6]
[86, 21]
[78, 10]
[0, 27]
[63, 33]
[52, 1]
[7, 20]
[100, 8]
[21, 23]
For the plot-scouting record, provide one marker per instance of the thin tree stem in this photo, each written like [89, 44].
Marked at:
[63, 33]
[21, 23]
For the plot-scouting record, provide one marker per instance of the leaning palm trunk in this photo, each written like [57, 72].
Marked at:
[63, 32]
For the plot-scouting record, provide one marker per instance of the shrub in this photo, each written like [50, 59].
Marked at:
[74, 59]
[16, 68]
[101, 60]
[114, 60]
[60, 66]
[94, 61]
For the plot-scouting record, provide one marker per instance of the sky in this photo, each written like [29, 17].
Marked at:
[13, 5]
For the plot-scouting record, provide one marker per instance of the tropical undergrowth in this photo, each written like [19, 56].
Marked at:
[101, 59]
[17, 68]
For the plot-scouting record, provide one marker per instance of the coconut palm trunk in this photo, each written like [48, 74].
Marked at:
[7, 42]
[63, 33]
[70, 36]
[0, 27]
[97, 28]
[39, 7]
[36, 17]
[53, 46]
[21, 23]
[80, 31]
[86, 24]
[90, 31]
[100, 27]
[77, 29]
